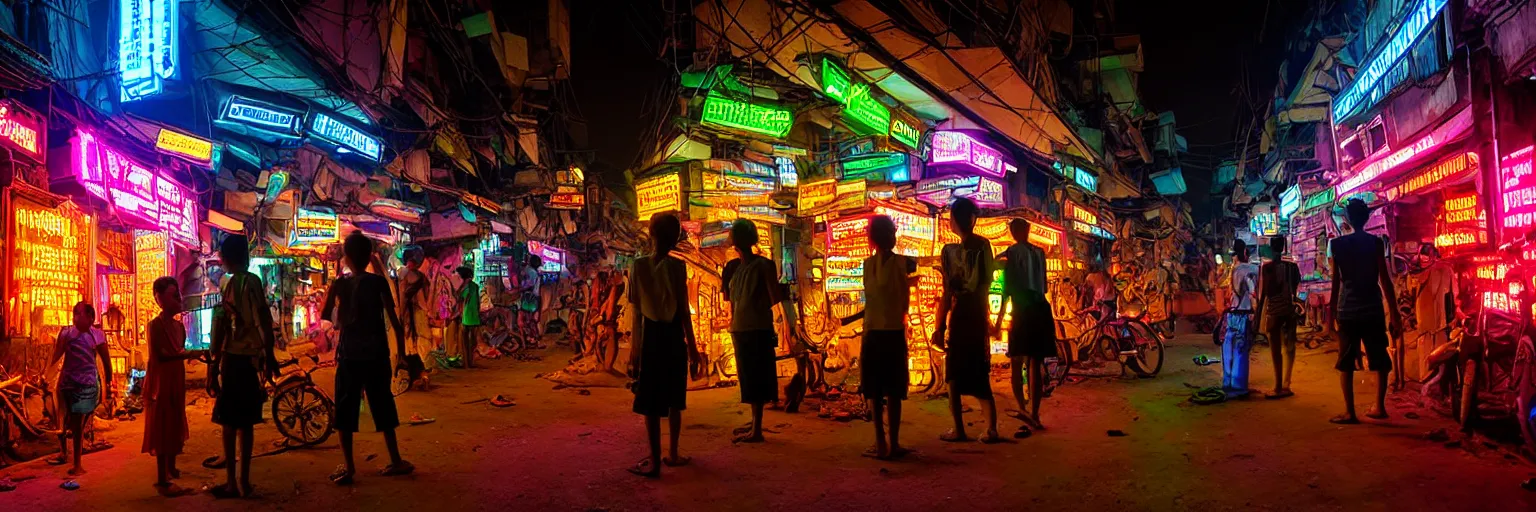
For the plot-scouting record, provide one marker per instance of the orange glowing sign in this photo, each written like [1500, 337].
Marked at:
[1044, 236]
[1459, 210]
[149, 260]
[180, 144]
[659, 194]
[1082, 215]
[21, 129]
[50, 265]
[1441, 171]
[816, 194]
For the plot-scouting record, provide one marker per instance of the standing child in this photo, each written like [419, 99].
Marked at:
[883, 356]
[1032, 337]
[469, 315]
[663, 346]
[967, 268]
[363, 363]
[165, 388]
[241, 348]
[752, 286]
[80, 345]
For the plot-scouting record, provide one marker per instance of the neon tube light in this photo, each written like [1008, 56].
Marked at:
[20, 129]
[147, 48]
[956, 147]
[751, 117]
[345, 136]
[1377, 168]
[1417, 21]
[1517, 199]
[180, 144]
[1441, 171]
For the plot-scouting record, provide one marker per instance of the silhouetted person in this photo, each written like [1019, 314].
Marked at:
[663, 345]
[1032, 336]
[241, 349]
[1360, 281]
[752, 286]
[967, 268]
[883, 355]
[1278, 281]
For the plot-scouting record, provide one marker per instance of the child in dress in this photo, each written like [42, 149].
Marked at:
[165, 388]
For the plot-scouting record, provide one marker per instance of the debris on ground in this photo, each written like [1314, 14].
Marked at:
[418, 419]
[1411, 415]
[598, 379]
[1205, 360]
[583, 392]
[502, 401]
[1116, 433]
[7, 485]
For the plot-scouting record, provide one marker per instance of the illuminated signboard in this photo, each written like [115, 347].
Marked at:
[767, 120]
[21, 129]
[1043, 236]
[261, 115]
[1363, 91]
[192, 148]
[137, 192]
[761, 213]
[315, 226]
[914, 233]
[1290, 201]
[1460, 239]
[659, 194]
[567, 198]
[1087, 222]
[905, 133]
[551, 259]
[748, 187]
[987, 194]
[851, 195]
[816, 194]
[50, 266]
[863, 109]
[876, 164]
[150, 252]
[347, 138]
[1082, 215]
[1082, 177]
[1265, 224]
[1517, 199]
[1461, 209]
[1378, 168]
[148, 50]
[957, 147]
[1441, 171]
[789, 177]
[1320, 199]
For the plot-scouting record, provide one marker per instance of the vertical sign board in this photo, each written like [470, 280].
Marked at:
[863, 109]
[147, 46]
[1517, 201]
[21, 129]
[657, 195]
[149, 263]
[1290, 202]
[50, 263]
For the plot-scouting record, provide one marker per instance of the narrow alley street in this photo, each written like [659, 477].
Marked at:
[562, 449]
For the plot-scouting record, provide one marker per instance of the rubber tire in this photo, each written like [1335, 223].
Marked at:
[318, 400]
[1135, 363]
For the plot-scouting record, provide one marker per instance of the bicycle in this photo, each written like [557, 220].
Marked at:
[303, 413]
[1125, 339]
[16, 423]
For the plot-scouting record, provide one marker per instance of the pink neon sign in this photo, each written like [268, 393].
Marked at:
[1369, 172]
[1517, 199]
[956, 147]
[138, 192]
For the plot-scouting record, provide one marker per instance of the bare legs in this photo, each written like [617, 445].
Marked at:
[1029, 409]
[755, 434]
[879, 407]
[74, 430]
[1282, 351]
[1347, 382]
[988, 405]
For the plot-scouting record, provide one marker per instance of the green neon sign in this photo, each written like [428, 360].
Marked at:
[866, 164]
[905, 133]
[764, 119]
[1322, 198]
[859, 106]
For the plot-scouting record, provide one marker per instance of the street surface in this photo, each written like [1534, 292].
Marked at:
[559, 449]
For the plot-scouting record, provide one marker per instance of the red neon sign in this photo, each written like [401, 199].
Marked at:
[1518, 193]
[1376, 169]
[21, 129]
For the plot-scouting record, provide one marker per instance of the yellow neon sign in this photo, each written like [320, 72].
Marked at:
[181, 144]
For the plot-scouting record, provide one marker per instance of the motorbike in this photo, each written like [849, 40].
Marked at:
[1487, 372]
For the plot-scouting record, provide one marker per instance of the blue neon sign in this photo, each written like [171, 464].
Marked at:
[345, 136]
[1414, 25]
[261, 115]
[147, 47]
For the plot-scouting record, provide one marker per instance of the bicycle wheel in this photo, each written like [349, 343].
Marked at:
[303, 414]
[1148, 360]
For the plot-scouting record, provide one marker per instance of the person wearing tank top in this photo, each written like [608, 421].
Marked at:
[752, 287]
[1360, 282]
[883, 355]
[1278, 280]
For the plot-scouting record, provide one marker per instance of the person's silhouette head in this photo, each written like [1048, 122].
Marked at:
[1358, 213]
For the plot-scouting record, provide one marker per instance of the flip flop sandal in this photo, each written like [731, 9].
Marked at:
[70, 485]
[401, 468]
[418, 420]
[873, 454]
[637, 470]
[501, 401]
[341, 476]
[1277, 396]
[215, 462]
[990, 437]
[678, 462]
[1344, 420]
[1023, 433]
[898, 453]
[1018, 415]
[60, 461]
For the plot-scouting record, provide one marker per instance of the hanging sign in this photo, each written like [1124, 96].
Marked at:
[905, 132]
[261, 115]
[1264, 224]
[761, 213]
[1318, 200]
[1082, 177]
[567, 198]
[789, 177]
[345, 137]
[914, 233]
[1044, 236]
[959, 148]
[1517, 197]
[1448, 169]
[1086, 221]
[50, 263]
[987, 194]
[737, 184]
[763, 119]
[551, 259]
[148, 49]
[137, 192]
[315, 226]
[815, 194]
[196, 149]
[875, 165]
[1462, 209]
[659, 194]
[1380, 167]
[21, 129]
[1363, 91]
[1290, 201]
[868, 114]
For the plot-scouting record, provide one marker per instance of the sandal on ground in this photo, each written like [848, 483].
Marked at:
[1018, 415]
[676, 462]
[748, 438]
[214, 462]
[953, 436]
[639, 469]
[341, 476]
[401, 468]
[897, 452]
[58, 461]
[224, 491]
[417, 419]
[1023, 433]
[1344, 419]
[501, 401]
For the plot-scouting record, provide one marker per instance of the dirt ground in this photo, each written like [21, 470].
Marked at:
[559, 449]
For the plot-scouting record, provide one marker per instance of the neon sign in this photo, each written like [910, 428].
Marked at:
[1518, 193]
[1441, 171]
[1265, 224]
[136, 191]
[552, 259]
[261, 115]
[789, 177]
[1414, 25]
[1043, 236]
[988, 193]
[767, 120]
[50, 267]
[1380, 167]
[1290, 201]
[347, 138]
[1082, 215]
[1461, 210]
[956, 147]
[1460, 239]
[816, 194]
[761, 213]
[873, 163]
[175, 143]
[315, 226]
[905, 133]
[914, 233]
[860, 106]
[147, 46]
[1078, 175]
[149, 260]
[1320, 199]
[21, 129]
[659, 194]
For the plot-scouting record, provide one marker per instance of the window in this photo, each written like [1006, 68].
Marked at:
[1351, 151]
[1376, 137]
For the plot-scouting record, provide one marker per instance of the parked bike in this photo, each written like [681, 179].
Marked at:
[1487, 373]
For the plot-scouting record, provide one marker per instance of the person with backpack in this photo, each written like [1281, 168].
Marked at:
[663, 345]
[1239, 338]
[1278, 281]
